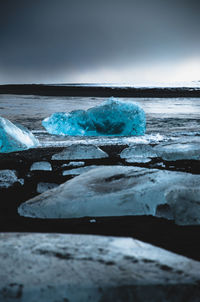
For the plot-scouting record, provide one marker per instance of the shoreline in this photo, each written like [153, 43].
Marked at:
[99, 91]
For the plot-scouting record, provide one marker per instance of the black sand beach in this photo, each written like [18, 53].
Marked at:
[85, 90]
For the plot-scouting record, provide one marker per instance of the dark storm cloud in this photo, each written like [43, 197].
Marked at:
[41, 39]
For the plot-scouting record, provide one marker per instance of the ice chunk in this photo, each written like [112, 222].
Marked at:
[178, 151]
[184, 203]
[93, 220]
[112, 117]
[74, 164]
[78, 171]
[138, 159]
[139, 153]
[41, 165]
[107, 191]
[80, 151]
[8, 178]
[45, 186]
[15, 137]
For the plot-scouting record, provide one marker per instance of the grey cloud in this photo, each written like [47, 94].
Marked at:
[46, 37]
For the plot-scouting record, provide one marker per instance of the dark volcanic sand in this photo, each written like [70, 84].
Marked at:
[99, 91]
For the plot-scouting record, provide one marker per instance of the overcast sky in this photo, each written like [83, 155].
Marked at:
[56, 41]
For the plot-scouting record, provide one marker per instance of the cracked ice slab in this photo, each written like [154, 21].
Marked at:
[15, 137]
[82, 268]
[112, 117]
[108, 191]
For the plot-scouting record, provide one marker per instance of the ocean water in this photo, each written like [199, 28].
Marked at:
[168, 119]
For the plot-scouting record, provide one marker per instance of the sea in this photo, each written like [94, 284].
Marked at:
[167, 119]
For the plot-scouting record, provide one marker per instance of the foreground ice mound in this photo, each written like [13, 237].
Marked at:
[112, 117]
[108, 191]
[82, 268]
[15, 137]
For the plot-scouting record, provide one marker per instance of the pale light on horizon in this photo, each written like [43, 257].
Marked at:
[172, 73]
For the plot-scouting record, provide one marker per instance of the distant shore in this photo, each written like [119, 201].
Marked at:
[99, 91]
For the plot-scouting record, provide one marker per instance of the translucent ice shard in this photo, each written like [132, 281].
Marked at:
[15, 137]
[112, 117]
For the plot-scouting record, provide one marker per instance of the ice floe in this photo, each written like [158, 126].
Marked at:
[112, 117]
[15, 137]
[45, 186]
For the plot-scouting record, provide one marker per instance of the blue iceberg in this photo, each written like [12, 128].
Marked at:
[111, 118]
[15, 137]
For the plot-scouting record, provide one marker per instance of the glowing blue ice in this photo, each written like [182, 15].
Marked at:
[112, 117]
[15, 137]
